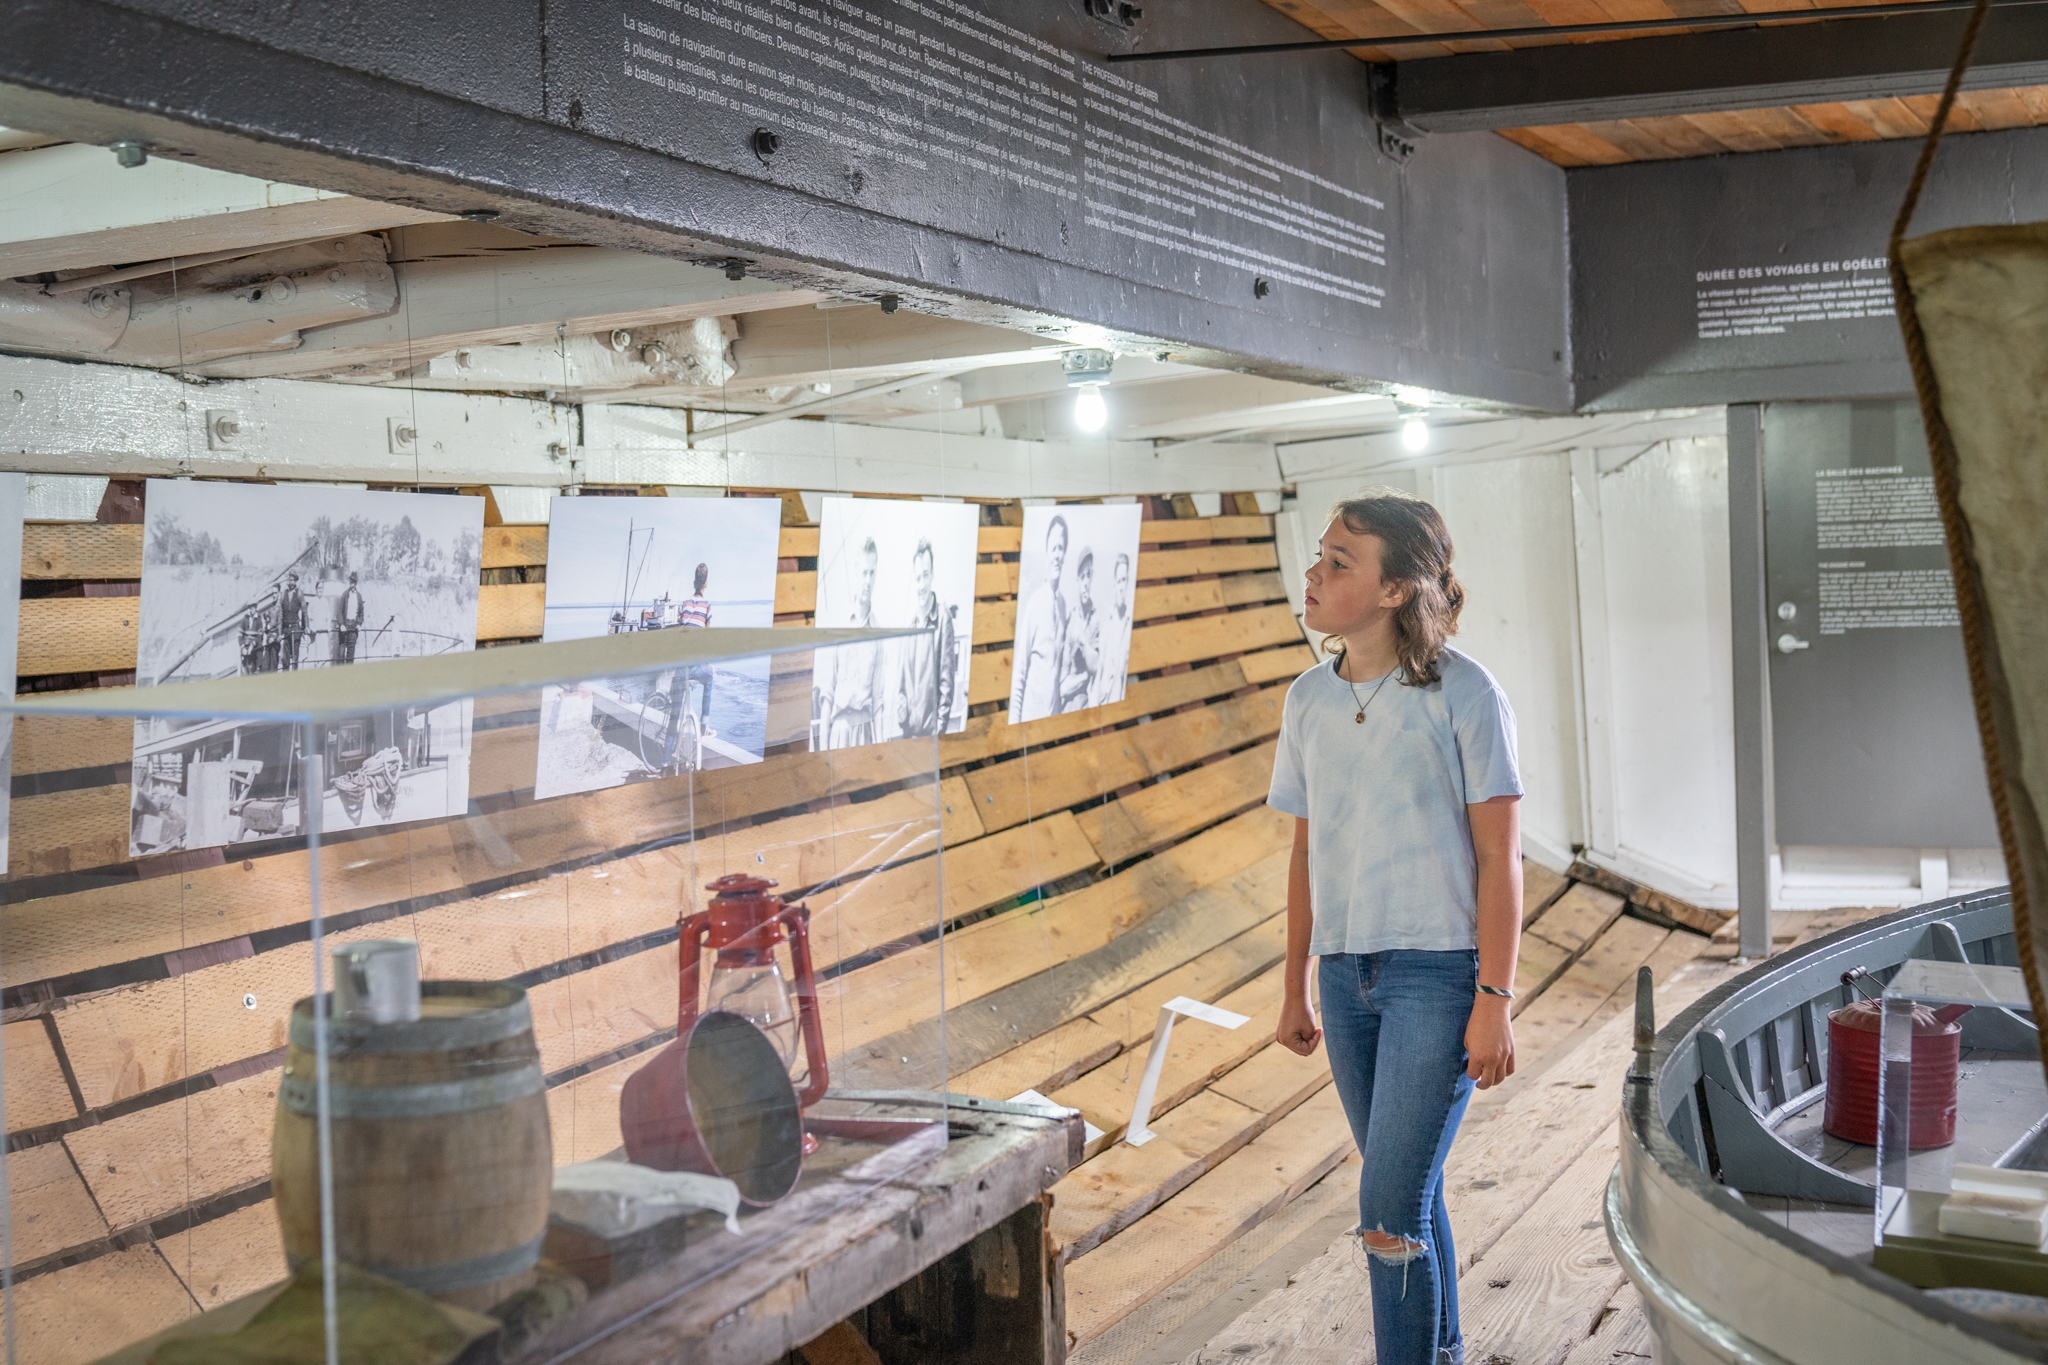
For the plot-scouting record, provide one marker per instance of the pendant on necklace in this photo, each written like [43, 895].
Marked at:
[1359, 719]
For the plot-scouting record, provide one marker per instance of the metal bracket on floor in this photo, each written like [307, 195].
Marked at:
[1744, 1144]
[1137, 1132]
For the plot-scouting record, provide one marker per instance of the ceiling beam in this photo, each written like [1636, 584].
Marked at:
[1048, 379]
[17, 139]
[115, 419]
[1193, 408]
[864, 344]
[252, 304]
[453, 302]
[632, 444]
[73, 207]
[1823, 62]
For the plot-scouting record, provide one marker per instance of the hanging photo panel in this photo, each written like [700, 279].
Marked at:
[13, 499]
[256, 578]
[1074, 593]
[617, 565]
[885, 563]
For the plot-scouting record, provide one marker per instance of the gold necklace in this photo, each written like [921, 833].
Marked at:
[1359, 719]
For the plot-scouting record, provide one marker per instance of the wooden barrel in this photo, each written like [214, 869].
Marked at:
[443, 1160]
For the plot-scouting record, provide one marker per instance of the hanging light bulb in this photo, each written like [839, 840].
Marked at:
[1087, 371]
[1415, 434]
[1090, 412]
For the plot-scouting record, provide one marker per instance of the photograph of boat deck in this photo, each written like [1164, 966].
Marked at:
[619, 566]
[1024, 682]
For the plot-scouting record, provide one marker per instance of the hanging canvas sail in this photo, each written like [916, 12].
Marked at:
[1973, 304]
[1981, 297]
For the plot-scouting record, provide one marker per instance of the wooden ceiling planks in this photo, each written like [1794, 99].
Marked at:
[1614, 142]
[2000, 109]
[1761, 130]
[1374, 18]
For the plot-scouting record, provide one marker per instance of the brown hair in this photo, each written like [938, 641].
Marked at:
[1415, 552]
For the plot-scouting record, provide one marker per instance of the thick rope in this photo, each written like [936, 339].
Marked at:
[1971, 31]
[1978, 645]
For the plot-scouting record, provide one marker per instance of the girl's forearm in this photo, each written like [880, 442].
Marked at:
[1300, 914]
[1500, 928]
[1497, 842]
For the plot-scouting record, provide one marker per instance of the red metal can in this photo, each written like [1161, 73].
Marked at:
[1855, 1058]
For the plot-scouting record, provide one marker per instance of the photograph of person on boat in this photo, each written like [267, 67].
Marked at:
[255, 578]
[1074, 627]
[891, 564]
[618, 565]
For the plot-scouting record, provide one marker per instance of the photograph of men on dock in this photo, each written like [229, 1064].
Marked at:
[622, 565]
[928, 665]
[889, 564]
[255, 578]
[348, 621]
[1073, 642]
[1116, 635]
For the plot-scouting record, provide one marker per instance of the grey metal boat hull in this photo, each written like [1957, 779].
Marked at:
[1722, 1282]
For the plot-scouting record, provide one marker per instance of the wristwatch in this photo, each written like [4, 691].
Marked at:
[1502, 992]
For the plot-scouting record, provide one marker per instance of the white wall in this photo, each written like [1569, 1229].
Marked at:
[1595, 556]
[1511, 521]
[1594, 553]
[1664, 539]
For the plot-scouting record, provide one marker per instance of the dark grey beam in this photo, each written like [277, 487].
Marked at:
[531, 110]
[1753, 68]
[1657, 246]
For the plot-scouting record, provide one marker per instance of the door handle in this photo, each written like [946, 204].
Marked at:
[1789, 643]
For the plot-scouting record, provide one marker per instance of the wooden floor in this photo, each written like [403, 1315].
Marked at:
[1525, 1182]
[1247, 1131]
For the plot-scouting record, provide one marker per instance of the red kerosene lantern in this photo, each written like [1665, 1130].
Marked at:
[710, 1101]
[743, 926]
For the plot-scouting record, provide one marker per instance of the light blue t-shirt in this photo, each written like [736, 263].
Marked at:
[1389, 842]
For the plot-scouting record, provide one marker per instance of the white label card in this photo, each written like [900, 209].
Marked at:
[1208, 1014]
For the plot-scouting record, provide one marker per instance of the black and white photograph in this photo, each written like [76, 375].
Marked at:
[619, 565]
[1074, 595]
[893, 564]
[255, 578]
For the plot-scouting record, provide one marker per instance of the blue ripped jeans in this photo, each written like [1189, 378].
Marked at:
[1395, 1025]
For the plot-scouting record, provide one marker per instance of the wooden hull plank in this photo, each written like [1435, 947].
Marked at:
[1240, 1193]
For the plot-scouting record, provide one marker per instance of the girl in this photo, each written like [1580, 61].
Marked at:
[1397, 760]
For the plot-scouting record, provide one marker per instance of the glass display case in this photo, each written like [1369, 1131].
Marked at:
[1944, 1146]
[462, 996]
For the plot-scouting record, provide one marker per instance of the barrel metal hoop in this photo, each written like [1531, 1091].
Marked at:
[437, 1033]
[297, 1093]
[448, 1279]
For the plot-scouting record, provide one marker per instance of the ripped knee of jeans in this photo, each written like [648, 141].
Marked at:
[1391, 1248]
